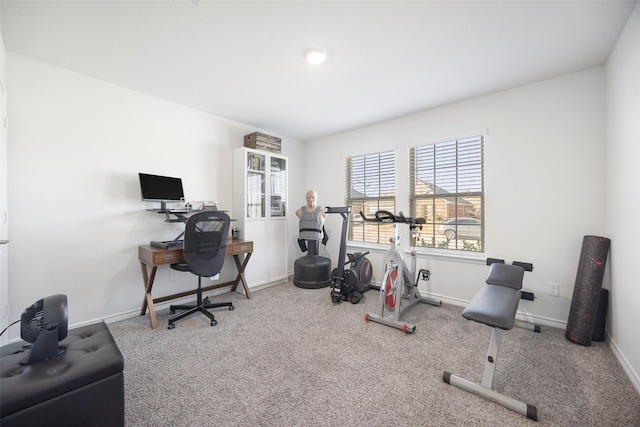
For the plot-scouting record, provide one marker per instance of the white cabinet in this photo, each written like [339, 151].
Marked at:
[260, 208]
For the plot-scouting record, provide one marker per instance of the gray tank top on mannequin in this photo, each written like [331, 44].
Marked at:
[311, 224]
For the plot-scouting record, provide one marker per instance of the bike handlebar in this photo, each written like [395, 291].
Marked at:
[386, 216]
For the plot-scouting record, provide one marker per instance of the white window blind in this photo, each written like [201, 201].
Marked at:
[447, 189]
[371, 186]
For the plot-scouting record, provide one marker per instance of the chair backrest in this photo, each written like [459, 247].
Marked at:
[205, 242]
[506, 275]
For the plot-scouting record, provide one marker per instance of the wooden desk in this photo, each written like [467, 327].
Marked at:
[151, 257]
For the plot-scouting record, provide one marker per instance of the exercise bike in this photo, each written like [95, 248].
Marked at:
[399, 291]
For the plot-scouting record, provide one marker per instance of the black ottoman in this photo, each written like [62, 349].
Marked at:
[82, 387]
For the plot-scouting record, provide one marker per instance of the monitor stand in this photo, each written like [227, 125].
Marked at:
[180, 216]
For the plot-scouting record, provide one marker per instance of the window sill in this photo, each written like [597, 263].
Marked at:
[443, 254]
[450, 255]
[377, 247]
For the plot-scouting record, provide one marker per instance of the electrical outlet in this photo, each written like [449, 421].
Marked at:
[173, 275]
[553, 289]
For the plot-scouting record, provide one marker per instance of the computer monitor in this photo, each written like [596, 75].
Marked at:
[156, 188]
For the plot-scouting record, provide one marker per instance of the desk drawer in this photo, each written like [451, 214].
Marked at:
[239, 248]
[167, 257]
[156, 256]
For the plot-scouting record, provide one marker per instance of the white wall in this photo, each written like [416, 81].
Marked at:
[4, 248]
[544, 180]
[75, 146]
[622, 196]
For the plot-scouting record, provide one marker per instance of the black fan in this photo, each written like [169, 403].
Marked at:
[44, 324]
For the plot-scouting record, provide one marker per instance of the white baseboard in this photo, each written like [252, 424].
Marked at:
[633, 376]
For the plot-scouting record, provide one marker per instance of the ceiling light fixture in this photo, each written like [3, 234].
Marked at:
[315, 56]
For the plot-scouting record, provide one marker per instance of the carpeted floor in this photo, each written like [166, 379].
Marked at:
[289, 357]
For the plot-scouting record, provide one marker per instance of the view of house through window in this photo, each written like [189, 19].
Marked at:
[371, 181]
[447, 189]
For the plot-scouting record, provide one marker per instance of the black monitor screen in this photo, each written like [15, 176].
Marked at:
[160, 188]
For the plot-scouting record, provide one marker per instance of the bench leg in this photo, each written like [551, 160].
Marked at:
[492, 358]
[485, 390]
[527, 326]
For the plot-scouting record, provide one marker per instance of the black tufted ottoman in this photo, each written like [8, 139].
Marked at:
[82, 387]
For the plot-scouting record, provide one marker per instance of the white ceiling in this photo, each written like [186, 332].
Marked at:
[243, 60]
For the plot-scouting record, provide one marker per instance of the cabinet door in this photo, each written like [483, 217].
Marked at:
[278, 186]
[256, 272]
[278, 258]
[256, 185]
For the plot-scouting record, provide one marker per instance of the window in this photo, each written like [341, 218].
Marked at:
[447, 189]
[371, 186]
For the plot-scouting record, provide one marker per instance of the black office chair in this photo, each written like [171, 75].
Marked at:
[205, 242]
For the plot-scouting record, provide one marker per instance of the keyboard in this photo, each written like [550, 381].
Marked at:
[167, 244]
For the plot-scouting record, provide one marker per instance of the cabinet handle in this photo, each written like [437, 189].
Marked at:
[168, 257]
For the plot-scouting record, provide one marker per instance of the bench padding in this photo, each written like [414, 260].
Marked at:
[496, 303]
[506, 275]
[493, 305]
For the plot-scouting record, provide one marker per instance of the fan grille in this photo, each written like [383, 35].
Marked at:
[32, 321]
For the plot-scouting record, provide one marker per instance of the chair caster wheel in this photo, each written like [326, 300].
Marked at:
[214, 322]
[231, 308]
[171, 311]
[171, 326]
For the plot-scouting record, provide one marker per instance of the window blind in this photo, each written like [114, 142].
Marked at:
[447, 186]
[371, 181]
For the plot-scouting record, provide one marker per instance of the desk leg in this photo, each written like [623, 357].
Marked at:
[148, 298]
[240, 277]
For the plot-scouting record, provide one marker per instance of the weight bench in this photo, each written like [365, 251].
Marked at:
[495, 305]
